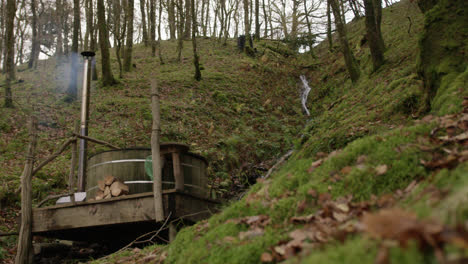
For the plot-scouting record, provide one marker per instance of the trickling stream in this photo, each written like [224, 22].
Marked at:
[305, 93]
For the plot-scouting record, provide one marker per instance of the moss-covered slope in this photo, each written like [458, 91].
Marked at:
[365, 148]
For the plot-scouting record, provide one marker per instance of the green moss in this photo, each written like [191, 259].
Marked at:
[450, 93]
[443, 54]
[354, 251]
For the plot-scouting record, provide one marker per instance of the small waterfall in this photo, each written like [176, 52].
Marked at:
[305, 93]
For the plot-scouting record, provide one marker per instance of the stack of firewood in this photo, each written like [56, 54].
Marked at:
[110, 187]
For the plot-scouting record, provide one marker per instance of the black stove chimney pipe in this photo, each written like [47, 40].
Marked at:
[88, 58]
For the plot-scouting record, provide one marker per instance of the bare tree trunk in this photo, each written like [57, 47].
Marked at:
[171, 17]
[222, 18]
[196, 63]
[92, 36]
[343, 17]
[143, 22]
[20, 34]
[215, 22]
[10, 51]
[24, 252]
[2, 31]
[72, 87]
[180, 39]
[350, 61]
[236, 20]
[269, 18]
[89, 24]
[250, 15]
[161, 60]
[129, 40]
[155, 152]
[118, 34]
[354, 8]
[34, 40]
[329, 27]
[257, 20]
[66, 32]
[59, 14]
[265, 17]
[309, 36]
[372, 34]
[152, 22]
[107, 77]
[188, 19]
[202, 16]
[246, 20]
[378, 22]
[207, 18]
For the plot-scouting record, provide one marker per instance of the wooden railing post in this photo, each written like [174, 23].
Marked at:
[25, 234]
[74, 153]
[155, 152]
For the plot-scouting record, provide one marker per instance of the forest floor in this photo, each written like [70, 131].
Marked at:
[371, 180]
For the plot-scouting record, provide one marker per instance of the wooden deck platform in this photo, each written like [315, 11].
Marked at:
[115, 218]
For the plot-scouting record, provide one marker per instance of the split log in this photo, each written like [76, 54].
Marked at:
[108, 180]
[110, 187]
[99, 195]
[107, 193]
[101, 185]
[118, 188]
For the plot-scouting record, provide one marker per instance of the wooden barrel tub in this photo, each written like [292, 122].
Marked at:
[128, 165]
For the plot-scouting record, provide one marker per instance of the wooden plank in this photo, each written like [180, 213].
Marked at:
[120, 210]
[178, 173]
[117, 212]
[113, 199]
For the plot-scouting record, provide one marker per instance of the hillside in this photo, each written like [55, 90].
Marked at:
[369, 151]
[242, 116]
[373, 179]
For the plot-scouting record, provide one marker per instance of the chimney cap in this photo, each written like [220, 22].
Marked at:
[88, 53]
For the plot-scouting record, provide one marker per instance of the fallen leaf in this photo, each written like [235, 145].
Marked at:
[312, 193]
[346, 170]
[298, 234]
[381, 169]
[260, 220]
[323, 197]
[301, 206]
[301, 219]
[342, 207]
[340, 217]
[280, 249]
[428, 118]
[229, 239]
[249, 234]
[402, 226]
[411, 186]
[266, 257]
[361, 159]
[438, 163]
[386, 200]
[314, 165]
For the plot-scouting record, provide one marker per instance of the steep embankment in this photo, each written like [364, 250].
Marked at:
[371, 181]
